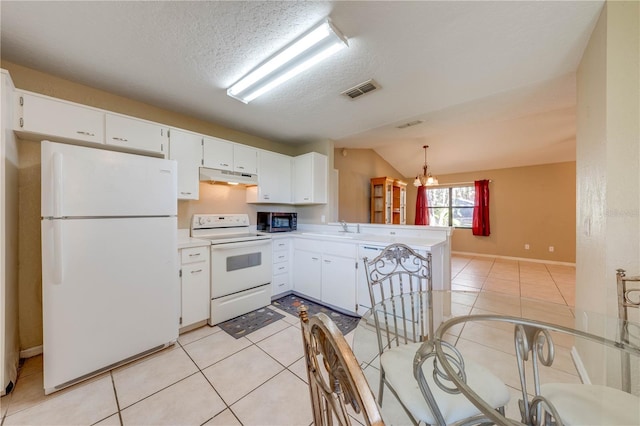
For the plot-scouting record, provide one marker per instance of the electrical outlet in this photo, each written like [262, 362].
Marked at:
[526, 247]
[551, 249]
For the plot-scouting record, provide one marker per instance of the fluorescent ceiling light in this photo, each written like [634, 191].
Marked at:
[317, 44]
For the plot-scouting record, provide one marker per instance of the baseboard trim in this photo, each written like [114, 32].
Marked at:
[31, 352]
[524, 259]
[577, 361]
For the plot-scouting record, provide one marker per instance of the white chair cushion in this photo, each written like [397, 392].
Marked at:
[579, 404]
[398, 367]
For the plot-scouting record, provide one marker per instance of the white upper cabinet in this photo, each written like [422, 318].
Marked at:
[57, 119]
[186, 149]
[310, 179]
[217, 154]
[274, 179]
[224, 155]
[132, 133]
[245, 159]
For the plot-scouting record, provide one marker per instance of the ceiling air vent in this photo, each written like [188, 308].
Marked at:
[409, 124]
[361, 89]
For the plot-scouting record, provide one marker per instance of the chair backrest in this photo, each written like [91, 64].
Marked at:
[397, 270]
[628, 297]
[334, 375]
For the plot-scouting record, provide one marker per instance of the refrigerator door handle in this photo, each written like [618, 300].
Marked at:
[57, 184]
[58, 269]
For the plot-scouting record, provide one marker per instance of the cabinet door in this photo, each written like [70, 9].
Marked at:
[307, 270]
[136, 134]
[339, 282]
[274, 178]
[186, 149]
[195, 293]
[245, 159]
[217, 154]
[58, 119]
[310, 179]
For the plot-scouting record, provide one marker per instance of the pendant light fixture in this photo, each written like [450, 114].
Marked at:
[425, 179]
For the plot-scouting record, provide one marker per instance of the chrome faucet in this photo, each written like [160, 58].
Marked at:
[345, 228]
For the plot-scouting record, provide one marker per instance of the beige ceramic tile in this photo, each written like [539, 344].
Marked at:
[226, 418]
[268, 330]
[498, 303]
[299, 368]
[291, 319]
[197, 334]
[507, 275]
[532, 266]
[85, 403]
[242, 372]
[469, 280]
[214, 348]
[468, 298]
[113, 420]
[488, 334]
[4, 404]
[31, 366]
[191, 401]
[137, 381]
[547, 293]
[501, 364]
[283, 400]
[502, 286]
[285, 346]
[458, 287]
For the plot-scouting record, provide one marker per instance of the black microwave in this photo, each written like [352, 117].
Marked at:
[277, 221]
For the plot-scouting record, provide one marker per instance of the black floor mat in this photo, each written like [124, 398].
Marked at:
[244, 324]
[290, 304]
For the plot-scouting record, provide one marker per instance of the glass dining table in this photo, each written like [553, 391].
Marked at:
[561, 366]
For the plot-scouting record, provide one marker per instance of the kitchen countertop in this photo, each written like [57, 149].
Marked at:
[356, 238]
[185, 241]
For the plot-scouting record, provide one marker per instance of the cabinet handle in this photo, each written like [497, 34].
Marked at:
[224, 164]
[327, 261]
[306, 198]
[281, 268]
[266, 197]
[240, 167]
[314, 258]
[21, 121]
[120, 139]
[194, 254]
[81, 132]
[185, 193]
[196, 271]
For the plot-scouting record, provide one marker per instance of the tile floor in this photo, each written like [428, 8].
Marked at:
[211, 378]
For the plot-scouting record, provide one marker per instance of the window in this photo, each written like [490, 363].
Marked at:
[451, 206]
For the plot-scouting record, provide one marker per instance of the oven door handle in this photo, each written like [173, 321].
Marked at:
[241, 244]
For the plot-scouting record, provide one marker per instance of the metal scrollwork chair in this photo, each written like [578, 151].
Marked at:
[404, 346]
[627, 298]
[335, 377]
[561, 404]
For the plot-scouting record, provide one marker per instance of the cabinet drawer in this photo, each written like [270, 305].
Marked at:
[280, 268]
[195, 254]
[280, 256]
[281, 244]
[280, 284]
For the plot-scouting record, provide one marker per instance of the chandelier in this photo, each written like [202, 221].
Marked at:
[425, 179]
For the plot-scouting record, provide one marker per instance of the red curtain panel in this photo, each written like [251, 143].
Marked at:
[480, 224]
[422, 207]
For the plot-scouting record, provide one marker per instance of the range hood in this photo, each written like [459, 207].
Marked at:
[216, 175]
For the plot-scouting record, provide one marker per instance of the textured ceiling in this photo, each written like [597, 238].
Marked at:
[494, 82]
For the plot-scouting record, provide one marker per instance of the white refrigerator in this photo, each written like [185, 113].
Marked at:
[110, 286]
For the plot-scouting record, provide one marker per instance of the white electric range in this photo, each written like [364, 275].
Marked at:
[240, 264]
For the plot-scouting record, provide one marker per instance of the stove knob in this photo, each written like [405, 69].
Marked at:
[201, 221]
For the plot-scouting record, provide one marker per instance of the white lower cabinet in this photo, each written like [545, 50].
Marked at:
[307, 273]
[280, 281]
[326, 271]
[194, 285]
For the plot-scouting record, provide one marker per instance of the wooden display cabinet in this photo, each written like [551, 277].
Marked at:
[388, 201]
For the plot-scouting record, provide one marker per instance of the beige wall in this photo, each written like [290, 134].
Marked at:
[355, 170]
[529, 205]
[532, 205]
[608, 171]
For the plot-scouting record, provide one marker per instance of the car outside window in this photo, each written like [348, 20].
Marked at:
[451, 206]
